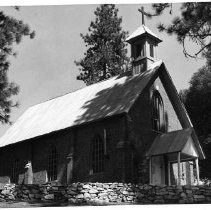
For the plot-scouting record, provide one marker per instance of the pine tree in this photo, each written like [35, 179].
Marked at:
[106, 53]
[11, 32]
[193, 24]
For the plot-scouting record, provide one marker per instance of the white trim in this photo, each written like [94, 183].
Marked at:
[179, 172]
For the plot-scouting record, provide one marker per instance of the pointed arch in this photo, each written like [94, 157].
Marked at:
[158, 114]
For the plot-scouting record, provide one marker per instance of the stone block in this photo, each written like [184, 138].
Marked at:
[86, 186]
[189, 191]
[79, 196]
[70, 192]
[102, 194]
[140, 195]
[31, 196]
[130, 198]
[159, 202]
[100, 189]
[93, 195]
[125, 193]
[93, 191]
[26, 191]
[38, 196]
[151, 198]
[187, 187]
[49, 197]
[5, 192]
[34, 191]
[208, 199]
[11, 197]
[56, 188]
[207, 193]
[87, 195]
[198, 196]
[162, 193]
[84, 191]
[194, 188]
[112, 200]
[182, 201]
[106, 186]
[190, 200]
[198, 192]
[183, 195]
[72, 200]
[170, 197]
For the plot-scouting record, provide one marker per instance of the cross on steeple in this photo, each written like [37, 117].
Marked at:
[143, 13]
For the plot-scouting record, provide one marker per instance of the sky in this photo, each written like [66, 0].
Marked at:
[44, 67]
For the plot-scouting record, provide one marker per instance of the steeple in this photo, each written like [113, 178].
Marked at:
[143, 46]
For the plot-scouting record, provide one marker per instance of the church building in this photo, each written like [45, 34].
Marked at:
[129, 128]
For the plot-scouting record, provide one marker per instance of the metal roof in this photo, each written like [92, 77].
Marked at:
[140, 31]
[175, 141]
[103, 99]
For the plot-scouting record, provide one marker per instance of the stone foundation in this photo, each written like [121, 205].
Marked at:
[107, 193]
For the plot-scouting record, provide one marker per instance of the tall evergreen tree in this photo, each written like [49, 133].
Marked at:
[197, 100]
[11, 32]
[106, 53]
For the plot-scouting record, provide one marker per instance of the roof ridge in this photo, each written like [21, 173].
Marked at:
[94, 102]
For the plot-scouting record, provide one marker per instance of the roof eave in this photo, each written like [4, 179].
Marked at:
[198, 146]
[131, 40]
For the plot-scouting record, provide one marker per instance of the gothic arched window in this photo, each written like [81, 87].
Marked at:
[97, 155]
[52, 164]
[158, 122]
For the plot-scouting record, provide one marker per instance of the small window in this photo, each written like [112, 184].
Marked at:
[139, 50]
[151, 50]
[158, 122]
[52, 164]
[97, 155]
[15, 171]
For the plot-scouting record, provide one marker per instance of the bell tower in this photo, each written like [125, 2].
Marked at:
[143, 47]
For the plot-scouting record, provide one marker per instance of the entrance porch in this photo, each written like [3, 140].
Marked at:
[173, 158]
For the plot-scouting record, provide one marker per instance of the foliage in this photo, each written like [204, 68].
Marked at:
[106, 53]
[193, 24]
[11, 32]
[197, 100]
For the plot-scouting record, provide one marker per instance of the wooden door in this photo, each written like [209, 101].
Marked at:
[158, 170]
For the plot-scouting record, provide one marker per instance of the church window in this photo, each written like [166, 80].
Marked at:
[158, 123]
[52, 164]
[97, 155]
[151, 49]
[15, 171]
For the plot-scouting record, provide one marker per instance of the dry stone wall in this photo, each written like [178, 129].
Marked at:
[107, 193]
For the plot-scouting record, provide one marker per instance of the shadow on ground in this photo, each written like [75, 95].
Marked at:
[27, 204]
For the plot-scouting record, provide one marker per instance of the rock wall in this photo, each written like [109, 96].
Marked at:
[107, 193]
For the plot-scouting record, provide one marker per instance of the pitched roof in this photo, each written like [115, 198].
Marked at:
[175, 141]
[103, 99]
[170, 142]
[141, 30]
